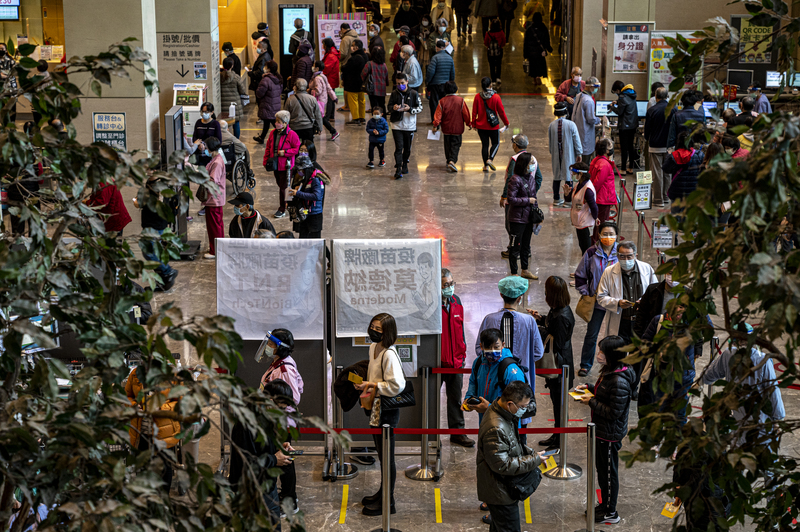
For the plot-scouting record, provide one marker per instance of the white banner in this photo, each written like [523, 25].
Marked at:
[265, 284]
[401, 277]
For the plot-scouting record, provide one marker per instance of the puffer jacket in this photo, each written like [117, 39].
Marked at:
[500, 454]
[611, 403]
[685, 167]
[269, 96]
[625, 108]
[559, 322]
[231, 91]
[520, 189]
[320, 88]
[602, 175]
[312, 194]
[167, 428]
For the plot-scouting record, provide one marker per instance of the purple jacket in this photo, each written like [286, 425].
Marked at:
[520, 189]
[269, 97]
[591, 268]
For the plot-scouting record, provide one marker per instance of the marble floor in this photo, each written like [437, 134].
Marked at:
[462, 209]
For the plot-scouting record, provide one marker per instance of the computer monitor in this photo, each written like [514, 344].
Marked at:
[601, 108]
[742, 78]
[735, 106]
[773, 79]
[707, 107]
[641, 109]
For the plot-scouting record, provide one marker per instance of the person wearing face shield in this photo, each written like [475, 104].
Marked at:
[584, 117]
[620, 290]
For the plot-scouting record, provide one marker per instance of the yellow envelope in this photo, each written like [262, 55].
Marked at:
[581, 393]
[670, 510]
[548, 464]
[355, 379]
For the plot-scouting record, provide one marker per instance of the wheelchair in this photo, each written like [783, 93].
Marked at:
[236, 171]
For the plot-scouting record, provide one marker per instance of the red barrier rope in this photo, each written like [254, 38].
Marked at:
[465, 371]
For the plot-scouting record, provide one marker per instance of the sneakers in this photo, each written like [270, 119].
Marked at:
[383, 163]
[201, 212]
[370, 165]
[363, 460]
[294, 511]
[607, 519]
[487, 519]
[486, 168]
[583, 372]
[259, 139]
[405, 168]
[335, 135]
[498, 82]
[469, 29]
[558, 203]
[398, 175]
[462, 440]
[528, 275]
[356, 122]
[279, 214]
[600, 509]
[491, 166]
[504, 254]
[452, 167]
[209, 256]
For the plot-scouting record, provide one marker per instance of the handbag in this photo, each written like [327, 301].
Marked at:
[202, 194]
[272, 163]
[297, 214]
[491, 117]
[585, 307]
[403, 399]
[369, 83]
[537, 216]
[520, 487]
[548, 360]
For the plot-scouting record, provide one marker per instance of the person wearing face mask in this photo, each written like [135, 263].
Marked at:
[264, 56]
[610, 405]
[404, 106]
[308, 193]
[213, 205]
[353, 85]
[440, 71]
[521, 201]
[306, 118]
[278, 354]
[405, 16]
[734, 148]
[206, 127]
[375, 76]
[584, 117]
[762, 104]
[462, 10]
[602, 175]
[627, 124]
[587, 278]
[283, 146]
[377, 127]
[452, 114]
[227, 49]
[621, 287]
[246, 220]
[565, 149]
[502, 454]
[384, 376]
[320, 89]
[375, 40]
[536, 47]
[583, 204]
[269, 98]
[570, 88]
[442, 11]
[424, 52]
[411, 68]
[346, 35]
[519, 144]
[495, 41]
[488, 133]
[440, 34]
[656, 131]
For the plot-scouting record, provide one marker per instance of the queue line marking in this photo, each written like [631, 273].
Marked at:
[438, 503]
[343, 511]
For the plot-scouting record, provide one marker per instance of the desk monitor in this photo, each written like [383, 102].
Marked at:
[641, 109]
[601, 108]
[707, 107]
[742, 78]
[735, 106]
[773, 79]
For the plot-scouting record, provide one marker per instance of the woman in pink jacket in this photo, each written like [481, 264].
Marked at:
[213, 205]
[321, 89]
[282, 147]
[602, 172]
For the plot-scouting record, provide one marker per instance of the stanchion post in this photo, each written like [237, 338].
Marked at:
[714, 349]
[564, 471]
[423, 471]
[344, 471]
[386, 502]
[640, 235]
[621, 204]
[590, 496]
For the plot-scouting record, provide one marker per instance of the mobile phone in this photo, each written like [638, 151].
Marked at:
[472, 401]
[294, 453]
[552, 452]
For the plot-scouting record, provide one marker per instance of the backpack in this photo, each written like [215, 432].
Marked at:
[494, 47]
[304, 40]
[508, 6]
[501, 374]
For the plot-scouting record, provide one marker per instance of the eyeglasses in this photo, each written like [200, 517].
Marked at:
[449, 285]
[626, 257]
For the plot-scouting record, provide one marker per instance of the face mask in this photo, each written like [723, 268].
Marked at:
[608, 241]
[372, 34]
[402, 86]
[670, 282]
[406, 7]
[576, 79]
[375, 336]
[237, 211]
[531, 168]
[594, 91]
[2, 53]
[627, 265]
[425, 23]
[492, 356]
[442, 28]
[302, 154]
[440, 5]
[520, 412]
[206, 153]
[280, 127]
[270, 352]
[449, 291]
[376, 117]
[206, 116]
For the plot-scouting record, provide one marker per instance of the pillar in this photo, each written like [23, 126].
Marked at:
[90, 26]
[187, 33]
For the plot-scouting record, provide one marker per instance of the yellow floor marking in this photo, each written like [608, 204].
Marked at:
[343, 511]
[438, 505]
[528, 519]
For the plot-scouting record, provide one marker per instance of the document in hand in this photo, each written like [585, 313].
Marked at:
[434, 136]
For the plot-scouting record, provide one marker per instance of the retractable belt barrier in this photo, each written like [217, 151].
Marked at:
[447, 432]
[467, 371]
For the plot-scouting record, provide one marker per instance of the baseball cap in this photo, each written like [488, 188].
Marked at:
[242, 198]
[521, 141]
[227, 47]
[405, 29]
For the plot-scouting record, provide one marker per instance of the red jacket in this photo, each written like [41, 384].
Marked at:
[479, 111]
[452, 113]
[108, 195]
[454, 346]
[331, 69]
[602, 176]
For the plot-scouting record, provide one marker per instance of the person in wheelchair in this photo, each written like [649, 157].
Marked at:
[247, 220]
[239, 147]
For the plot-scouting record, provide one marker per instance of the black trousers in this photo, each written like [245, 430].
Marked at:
[372, 146]
[489, 136]
[402, 147]
[554, 385]
[330, 108]
[265, 128]
[626, 329]
[495, 66]
[452, 388]
[607, 460]
[452, 146]
[377, 101]
[391, 418]
[626, 146]
[166, 473]
[505, 517]
[507, 26]
[462, 19]
[288, 482]
[486, 22]
[520, 245]
[305, 134]
[437, 93]
[584, 238]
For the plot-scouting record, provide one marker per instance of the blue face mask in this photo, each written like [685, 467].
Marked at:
[237, 211]
[492, 356]
[449, 291]
[206, 153]
[520, 412]
[627, 265]
[402, 86]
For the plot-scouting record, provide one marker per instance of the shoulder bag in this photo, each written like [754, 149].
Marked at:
[406, 396]
[369, 83]
[491, 116]
[585, 306]
[272, 163]
[310, 118]
[202, 194]
[548, 360]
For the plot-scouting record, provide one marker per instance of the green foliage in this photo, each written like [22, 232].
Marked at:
[740, 265]
[55, 450]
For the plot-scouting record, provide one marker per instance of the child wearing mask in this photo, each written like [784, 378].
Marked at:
[377, 127]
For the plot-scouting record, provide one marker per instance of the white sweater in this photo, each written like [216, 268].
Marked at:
[386, 371]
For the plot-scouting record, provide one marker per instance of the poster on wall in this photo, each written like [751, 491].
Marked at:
[400, 277]
[266, 283]
[754, 43]
[661, 53]
[630, 48]
[110, 128]
[329, 26]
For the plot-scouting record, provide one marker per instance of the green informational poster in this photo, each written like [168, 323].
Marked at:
[661, 53]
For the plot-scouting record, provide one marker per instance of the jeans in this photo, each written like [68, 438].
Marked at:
[584, 239]
[607, 460]
[452, 146]
[391, 418]
[489, 136]
[236, 129]
[590, 340]
[495, 67]
[402, 147]
[520, 245]
[453, 384]
[372, 146]
[214, 226]
[626, 146]
[149, 253]
[505, 517]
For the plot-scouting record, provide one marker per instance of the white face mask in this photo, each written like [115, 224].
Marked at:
[576, 79]
[206, 116]
[627, 265]
[442, 28]
[372, 34]
[425, 23]
[440, 5]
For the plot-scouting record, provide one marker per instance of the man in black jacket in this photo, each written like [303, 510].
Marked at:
[692, 102]
[747, 116]
[227, 48]
[247, 219]
[656, 131]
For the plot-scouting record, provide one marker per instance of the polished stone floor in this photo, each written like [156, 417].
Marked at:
[462, 209]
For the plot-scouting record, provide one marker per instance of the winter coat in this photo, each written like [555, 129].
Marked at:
[656, 125]
[602, 172]
[559, 323]
[649, 307]
[269, 96]
[491, 100]
[109, 197]
[441, 69]
[436, 36]
[483, 381]
[499, 36]
[413, 70]
[520, 189]
[590, 269]
[679, 119]
[685, 166]
[408, 18]
[625, 109]
[537, 40]
[302, 69]
[351, 71]
[376, 42]
[485, 8]
[452, 114]
[344, 390]
[321, 89]
[380, 77]
[563, 90]
[231, 92]
[331, 69]
[500, 454]
[584, 117]
[611, 403]
[216, 171]
[312, 194]
[304, 110]
[571, 147]
[257, 74]
[610, 292]
[166, 429]
[506, 12]
[454, 342]
[289, 142]
[344, 48]
[446, 13]
[405, 119]
[382, 126]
